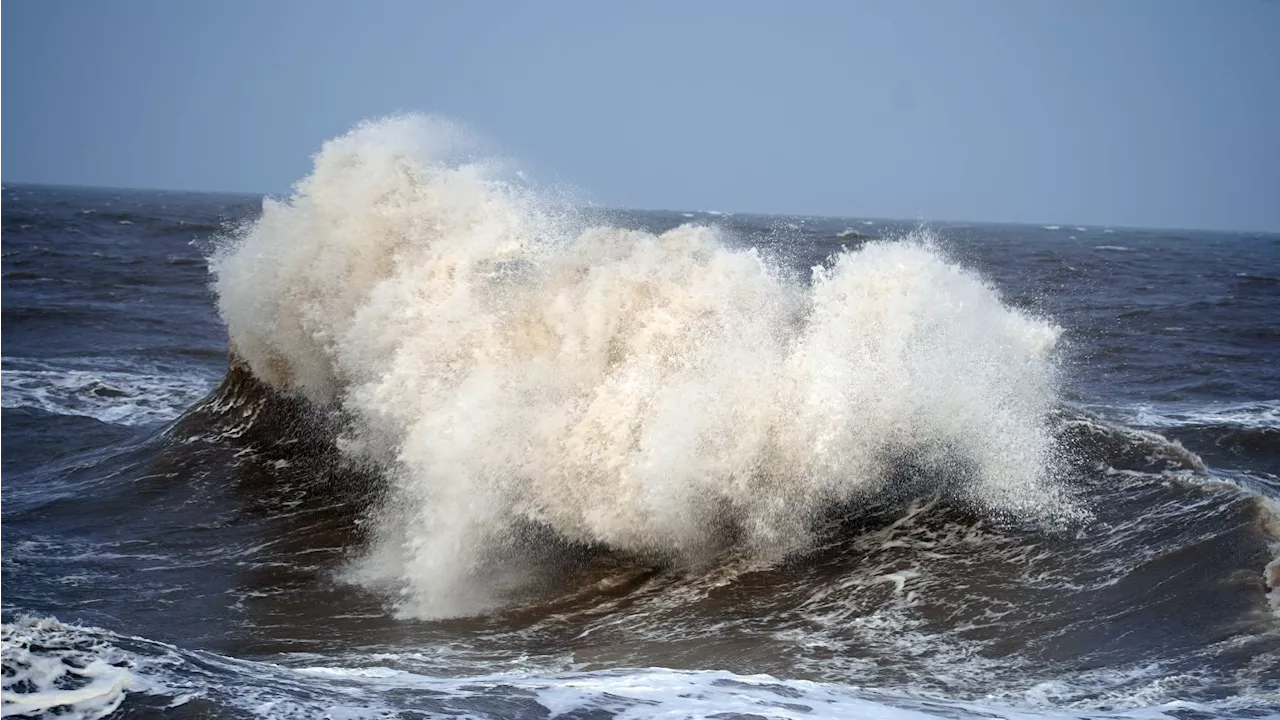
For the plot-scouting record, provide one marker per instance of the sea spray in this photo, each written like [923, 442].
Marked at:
[670, 394]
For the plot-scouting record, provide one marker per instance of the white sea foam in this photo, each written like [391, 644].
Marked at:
[851, 233]
[110, 395]
[658, 394]
[1249, 415]
[53, 669]
[49, 665]
[84, 673]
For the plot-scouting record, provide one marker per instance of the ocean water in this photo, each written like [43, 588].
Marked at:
[420, 440]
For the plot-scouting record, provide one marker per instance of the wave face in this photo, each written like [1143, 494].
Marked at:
[513, 371]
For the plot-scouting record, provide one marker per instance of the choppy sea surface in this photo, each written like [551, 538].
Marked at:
[478, 458]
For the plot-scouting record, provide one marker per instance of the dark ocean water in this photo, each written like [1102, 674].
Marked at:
[178, 540]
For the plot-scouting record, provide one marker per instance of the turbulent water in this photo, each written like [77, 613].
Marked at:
[480, 452]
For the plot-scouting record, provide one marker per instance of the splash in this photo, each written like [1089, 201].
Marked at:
[666, 394]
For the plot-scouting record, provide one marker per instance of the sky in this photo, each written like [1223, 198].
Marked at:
[1158, 113]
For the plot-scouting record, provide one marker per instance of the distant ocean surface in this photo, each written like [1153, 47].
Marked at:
[480, 455]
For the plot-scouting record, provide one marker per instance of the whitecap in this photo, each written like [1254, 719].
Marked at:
[108, 394]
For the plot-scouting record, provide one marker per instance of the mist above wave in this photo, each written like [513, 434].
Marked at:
[664, 394]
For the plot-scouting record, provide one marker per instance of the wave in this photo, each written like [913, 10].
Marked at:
[936, 600]
[664, 394]
[668, 395]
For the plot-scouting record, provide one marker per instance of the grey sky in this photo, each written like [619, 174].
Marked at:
[1157, 113]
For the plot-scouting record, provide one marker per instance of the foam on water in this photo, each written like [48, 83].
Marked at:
[52, 669]
[668, 394]
[108, 394]
[1256, 415]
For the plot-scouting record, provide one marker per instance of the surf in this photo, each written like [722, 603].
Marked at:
[673, 395]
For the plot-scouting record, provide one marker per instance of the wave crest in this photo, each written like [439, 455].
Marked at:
[667, 394]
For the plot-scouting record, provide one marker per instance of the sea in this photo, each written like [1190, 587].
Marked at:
[419, 439]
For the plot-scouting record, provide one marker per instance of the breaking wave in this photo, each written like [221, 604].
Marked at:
[671, 395]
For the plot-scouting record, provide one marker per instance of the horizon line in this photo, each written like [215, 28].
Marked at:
[1047, 225]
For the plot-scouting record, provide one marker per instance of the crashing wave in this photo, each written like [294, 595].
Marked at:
[669, 395]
